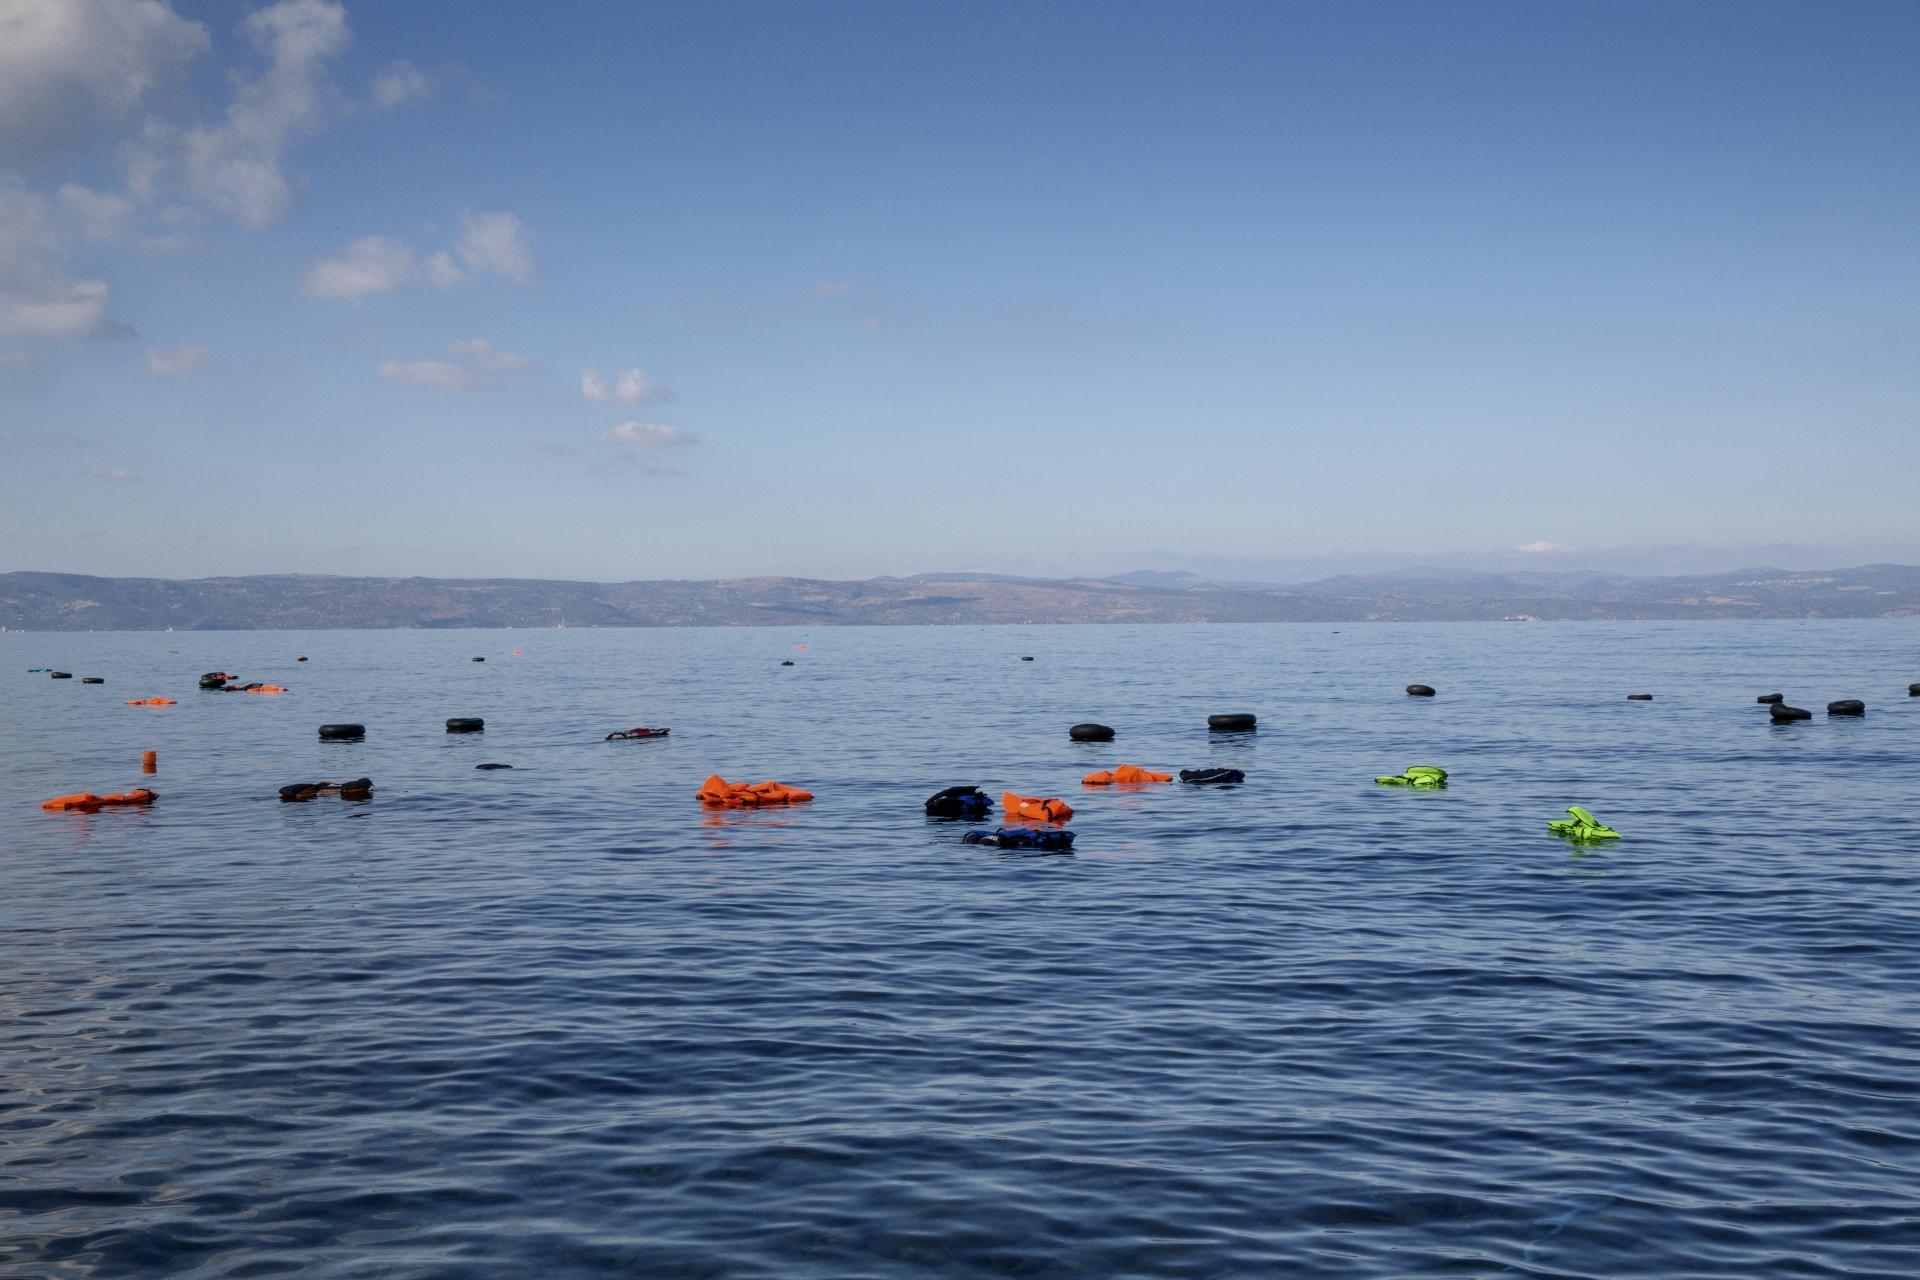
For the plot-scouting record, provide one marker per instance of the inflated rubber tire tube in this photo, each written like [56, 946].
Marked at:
[1090, 733]
[93, 679]
[1847, 707]
[342, 732]
[1913, 691]
[1233, 722]
[1212, 777]
[1639, 697]
[466, 725]
[1773, 698]
[60, 675]
[1420, 690]
[1781, 711]
[479, 659]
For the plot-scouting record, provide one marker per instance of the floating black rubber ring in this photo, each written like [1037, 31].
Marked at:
[1771, 698]
[1781, 711]
[1639, 697]
[1234, 722]
[1090, 733]
[1420, 690]
[1847, 707]
[93, 679]
[61, 675]
[459, 725]
[342, 732]
[479, 659]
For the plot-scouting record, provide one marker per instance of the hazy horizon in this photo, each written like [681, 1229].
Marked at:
[1266, 292]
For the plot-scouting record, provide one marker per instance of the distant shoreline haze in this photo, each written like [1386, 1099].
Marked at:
[76, 602]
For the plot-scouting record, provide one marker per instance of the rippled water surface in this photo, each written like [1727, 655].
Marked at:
[559, 1021]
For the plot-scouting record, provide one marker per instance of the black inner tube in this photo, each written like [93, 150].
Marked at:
[1420, 690]
[1235, 722]
[1090, 733]
[466, 725]
[343, 731]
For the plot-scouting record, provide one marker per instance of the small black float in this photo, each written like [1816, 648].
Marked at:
[1774, 698]
[60, 675]
[1847, 707]
[214, 680]
[1232, 722]
[786, 662]
[959, 802]
[1090, 733]
[1781, 712]
[342, 732]
[1021, 838]
[1029, 658]
[479, 659]
[466, 724]
[357, 789]
[1639, 697]
[93, 679]
[493, 766]
[1913, 691]
[1420, 691]
[1211, 777]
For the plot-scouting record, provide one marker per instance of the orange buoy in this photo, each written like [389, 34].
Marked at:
[149, 762]
[1037, 808]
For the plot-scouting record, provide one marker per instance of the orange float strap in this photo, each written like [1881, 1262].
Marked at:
[150, 702]
[717, 791]
[1037, 808]
[1124, 774]
[87, 802]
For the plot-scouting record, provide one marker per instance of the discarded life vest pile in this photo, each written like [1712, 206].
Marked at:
[621, 735]
[1021, 838]
[87, 802]
[959, 802]
[717, 791]
[150, 702]
[358, 789]
[1036, 808]
[1212, 777]
[1417, 775]
[1126, 773]
[222, 682]
[1581, 826]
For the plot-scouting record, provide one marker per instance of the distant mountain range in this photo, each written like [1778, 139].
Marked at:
[72, 602]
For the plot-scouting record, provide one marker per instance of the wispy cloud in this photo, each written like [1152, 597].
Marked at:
[176, 361]
[629, 386]
[14, 361]
[115, 475]
[1541, 547]
[490, 244]
[399, 83]
[471, 363]
[648, 435]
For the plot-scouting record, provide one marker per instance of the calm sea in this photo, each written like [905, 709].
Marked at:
[558, 1021]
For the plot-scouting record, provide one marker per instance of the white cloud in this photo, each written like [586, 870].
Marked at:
[629, 386]
[372, 264]
[38, 298]
[399, 83]
[68, 65]
[105, 218]
[14, 361]
[648, 435]
[490, 244]
[119, 475]
[472, 363]
[1541, 546]
[177, 360]
[496, 244]
[235, 165]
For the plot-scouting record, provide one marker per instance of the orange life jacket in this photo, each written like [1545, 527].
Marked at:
[1036, 808]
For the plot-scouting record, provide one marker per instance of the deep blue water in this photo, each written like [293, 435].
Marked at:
[559, 1021]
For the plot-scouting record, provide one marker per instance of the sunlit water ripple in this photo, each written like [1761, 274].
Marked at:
[558, 1021]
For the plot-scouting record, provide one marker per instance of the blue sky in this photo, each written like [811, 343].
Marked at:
[1265, 290]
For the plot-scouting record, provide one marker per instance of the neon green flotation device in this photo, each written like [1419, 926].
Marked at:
[1581, 826]
[1417, 775]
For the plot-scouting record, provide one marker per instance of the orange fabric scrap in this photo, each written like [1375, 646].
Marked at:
[716, 790]
[1037, 808]
[1125, 773]
[87, 802]
[149, 702]
[265, 688]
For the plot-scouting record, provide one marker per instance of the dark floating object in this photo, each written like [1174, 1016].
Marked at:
[358, 789]
[1781, 712]
[1028, 658]
[1913, 691]
[959, 802]
[301, 658]
[479, 659]
[342, 732]
[1211, 777]
[622, 735]
[463, 724]
[493, 766]
[1090, 733]
[93, 680]
[1021, 838]
[61, 675]
[787, 662]
[1420, 690]
[1847, 707]
[1773, 698]
[214, 680]
[1233, 722]
[1639, 697]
